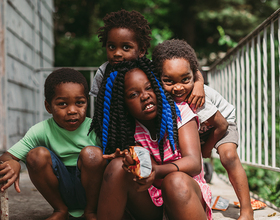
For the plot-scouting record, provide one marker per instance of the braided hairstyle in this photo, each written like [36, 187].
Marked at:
[133, 21]
[172, 49]
[112, 122]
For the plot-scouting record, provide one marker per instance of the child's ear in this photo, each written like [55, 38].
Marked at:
[48, 107]
[142, 52]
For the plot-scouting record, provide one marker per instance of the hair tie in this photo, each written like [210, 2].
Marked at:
[175, 166]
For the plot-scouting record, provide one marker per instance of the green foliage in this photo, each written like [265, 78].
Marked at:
[79, 52]
[194, 21]
[225, 39]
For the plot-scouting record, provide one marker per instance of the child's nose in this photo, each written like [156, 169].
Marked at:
[145, 96]
[72, 109]
[118, 53]
[178, 87]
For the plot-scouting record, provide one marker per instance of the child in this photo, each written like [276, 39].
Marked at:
[126, 36]
[136, 110]
[62, 161]
[176, 62]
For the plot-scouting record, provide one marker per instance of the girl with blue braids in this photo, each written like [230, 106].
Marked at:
[134, 110]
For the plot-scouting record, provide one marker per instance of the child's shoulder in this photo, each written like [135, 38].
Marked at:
[43, 124]
[209, 90]
[103, 67]
[185, 108]
[183, 105]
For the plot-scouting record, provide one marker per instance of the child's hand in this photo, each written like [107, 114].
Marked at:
[9, 170]
[127, 161]
[197, 97]
[118, 153]
[144, 183]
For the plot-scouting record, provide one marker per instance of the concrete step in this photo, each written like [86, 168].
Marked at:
[221, 188]
[30, 205]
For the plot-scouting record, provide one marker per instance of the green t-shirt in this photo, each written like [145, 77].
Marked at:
[65, 144]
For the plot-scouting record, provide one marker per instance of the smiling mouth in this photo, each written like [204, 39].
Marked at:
[149, 106]
[178, 95]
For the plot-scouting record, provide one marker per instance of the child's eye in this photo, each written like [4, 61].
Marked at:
[126, 47]
[81, 102]
[149, 87]
[111, 47]
[62, 104]
[132, 95]
[167, 81]
[186, 79]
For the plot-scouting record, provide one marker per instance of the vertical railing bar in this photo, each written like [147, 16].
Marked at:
[253, 105]
[265, 103]
[238, 99]
[272, 57]
[223, 81]
[248, 124]
[230, 83]
[234, 82]
[259, 100]
[41, 96]
[91, 97]
[226, 82]
[243, 136]
[219, 75]
[279, 68]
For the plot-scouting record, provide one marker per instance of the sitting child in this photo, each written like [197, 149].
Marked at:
[175, 62]
[63, 162]
[134, 110]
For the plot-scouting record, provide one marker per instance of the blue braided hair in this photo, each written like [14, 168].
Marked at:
[106, 109]
[166, 120]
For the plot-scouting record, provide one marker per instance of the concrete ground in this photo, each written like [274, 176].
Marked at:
[30, 205]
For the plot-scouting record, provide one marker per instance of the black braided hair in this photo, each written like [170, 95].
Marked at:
[120, 125]
[133, 21]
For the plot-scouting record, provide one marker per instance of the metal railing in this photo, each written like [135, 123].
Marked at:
[248, 77]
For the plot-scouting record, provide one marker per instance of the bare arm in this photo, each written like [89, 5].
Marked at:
[197, 96]
[189, 143]
[220, 125]
[9, 170]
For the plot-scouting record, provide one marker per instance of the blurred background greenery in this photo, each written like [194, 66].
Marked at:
[210, 27]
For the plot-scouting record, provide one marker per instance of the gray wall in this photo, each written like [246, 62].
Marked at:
[27, 30]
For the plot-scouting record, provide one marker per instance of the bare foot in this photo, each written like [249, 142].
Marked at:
[90, 216]
[59, 215]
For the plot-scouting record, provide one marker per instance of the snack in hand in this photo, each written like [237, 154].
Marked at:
[142, 162]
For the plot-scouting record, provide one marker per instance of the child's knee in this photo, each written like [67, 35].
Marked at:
[228, 156]
[37, 157]
[91, 156]
[177, 185]
[114, 169]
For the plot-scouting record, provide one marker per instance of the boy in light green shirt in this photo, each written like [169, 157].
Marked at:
[63, 162]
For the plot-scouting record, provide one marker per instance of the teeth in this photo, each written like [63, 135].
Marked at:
[149, 106]
[178, 95]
